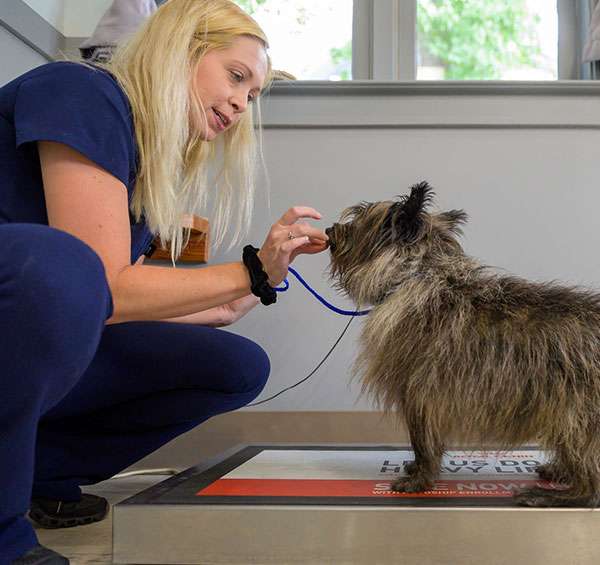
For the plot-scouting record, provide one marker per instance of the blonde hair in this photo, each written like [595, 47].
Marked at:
[155, 69]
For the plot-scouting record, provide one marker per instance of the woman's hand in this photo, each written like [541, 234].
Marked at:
[233, 311]
[287, 239]
[219, 316]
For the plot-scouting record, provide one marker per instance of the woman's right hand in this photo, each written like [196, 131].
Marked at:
[287, 239]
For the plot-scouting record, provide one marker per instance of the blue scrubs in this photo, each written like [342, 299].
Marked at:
[80, 401]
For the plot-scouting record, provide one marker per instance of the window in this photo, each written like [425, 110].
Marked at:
[487, 40]
[386, 40]
[310, 39]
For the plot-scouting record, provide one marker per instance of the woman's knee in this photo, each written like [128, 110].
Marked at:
[245, 369]
[53, 286]
[257, 369]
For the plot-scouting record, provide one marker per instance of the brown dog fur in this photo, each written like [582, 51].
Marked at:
[467, 355]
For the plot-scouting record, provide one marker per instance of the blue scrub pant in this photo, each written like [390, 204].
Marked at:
[80, 401]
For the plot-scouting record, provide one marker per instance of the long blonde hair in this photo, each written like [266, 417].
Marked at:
[154, 68]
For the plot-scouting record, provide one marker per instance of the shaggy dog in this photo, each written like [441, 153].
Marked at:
[467, 355]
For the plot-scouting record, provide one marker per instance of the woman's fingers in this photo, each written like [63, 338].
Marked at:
[303, 245]
[292, 244]
[292, 215]
[308, 248]
[305, 230]
[287, 239]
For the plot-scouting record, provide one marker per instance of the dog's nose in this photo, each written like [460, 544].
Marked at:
[329, 234]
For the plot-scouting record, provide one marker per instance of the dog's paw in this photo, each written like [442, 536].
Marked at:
[411, 484]
[539, 497]
[536, 497]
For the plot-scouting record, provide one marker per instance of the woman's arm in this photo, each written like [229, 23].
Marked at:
[90, 203]
[220, 316]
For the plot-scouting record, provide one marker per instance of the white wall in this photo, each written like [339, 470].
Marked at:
[531, 194]
[16, 57]
[82, 16]
[73, 18]
[53, 11]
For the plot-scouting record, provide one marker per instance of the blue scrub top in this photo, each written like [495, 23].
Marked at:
[73, 104]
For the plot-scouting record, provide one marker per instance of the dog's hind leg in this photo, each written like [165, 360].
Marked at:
[580, 474]
[428, 450]
[581, 493]
[551, 472]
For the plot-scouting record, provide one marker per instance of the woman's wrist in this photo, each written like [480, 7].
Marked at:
[259, 279]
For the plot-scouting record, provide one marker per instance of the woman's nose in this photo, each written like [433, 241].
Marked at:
[239, 104]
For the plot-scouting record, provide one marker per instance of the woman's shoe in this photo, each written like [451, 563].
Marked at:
[59, 514]
[40, 555]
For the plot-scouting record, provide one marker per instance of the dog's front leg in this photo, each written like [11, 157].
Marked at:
[425, 469]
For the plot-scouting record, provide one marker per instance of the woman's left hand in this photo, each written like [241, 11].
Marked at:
[219, 316]
[233, 311]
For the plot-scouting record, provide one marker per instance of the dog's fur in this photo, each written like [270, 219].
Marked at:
[467, 355]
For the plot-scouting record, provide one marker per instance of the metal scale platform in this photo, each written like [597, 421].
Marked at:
[332, 504]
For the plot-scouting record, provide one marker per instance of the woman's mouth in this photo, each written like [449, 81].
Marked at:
[221, 120]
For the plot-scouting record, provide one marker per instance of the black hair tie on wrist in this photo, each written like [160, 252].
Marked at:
[259, 280]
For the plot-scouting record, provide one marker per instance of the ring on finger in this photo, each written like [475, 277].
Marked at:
[291, 235]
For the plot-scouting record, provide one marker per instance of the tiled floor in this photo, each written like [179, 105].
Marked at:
[92, 544]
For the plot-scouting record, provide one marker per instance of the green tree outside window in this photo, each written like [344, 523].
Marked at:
[477, 39]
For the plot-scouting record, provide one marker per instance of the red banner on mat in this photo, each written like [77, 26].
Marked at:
[364, 488]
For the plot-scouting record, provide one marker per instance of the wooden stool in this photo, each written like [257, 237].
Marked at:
[197, 249]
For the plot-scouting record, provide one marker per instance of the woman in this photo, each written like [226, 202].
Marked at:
[94, 163]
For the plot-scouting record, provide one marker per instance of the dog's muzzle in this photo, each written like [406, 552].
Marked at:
[329, 234]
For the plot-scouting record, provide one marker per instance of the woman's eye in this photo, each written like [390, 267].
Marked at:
[238, 77]
[251, 97]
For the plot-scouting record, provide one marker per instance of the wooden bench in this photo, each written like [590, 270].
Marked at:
[197, 249]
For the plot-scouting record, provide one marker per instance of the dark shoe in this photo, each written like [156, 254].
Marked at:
[58, 514]
[40, 555]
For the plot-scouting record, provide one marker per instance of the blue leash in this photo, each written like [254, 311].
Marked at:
[331, 307]
[319, 298]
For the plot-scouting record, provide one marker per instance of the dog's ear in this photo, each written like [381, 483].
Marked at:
[407, 214]
[453, 220]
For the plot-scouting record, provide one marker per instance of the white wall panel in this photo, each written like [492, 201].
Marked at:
[16, 57]
[532, 197]
[82, 16]
[53, 11]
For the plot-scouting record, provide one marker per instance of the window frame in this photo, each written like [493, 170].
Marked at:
[384, 40]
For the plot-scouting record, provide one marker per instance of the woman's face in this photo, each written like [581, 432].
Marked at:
[225, 82]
